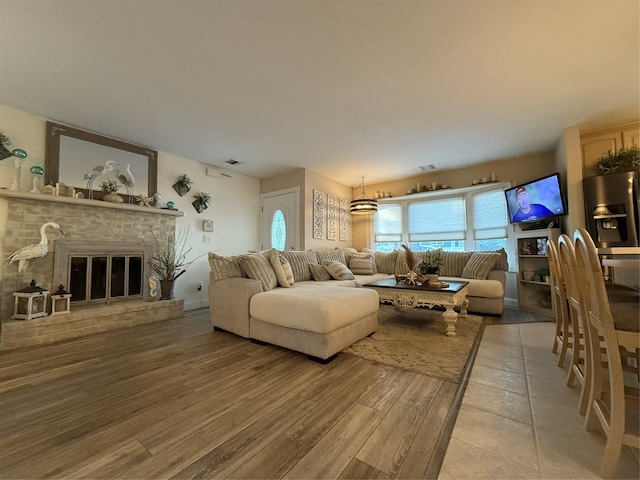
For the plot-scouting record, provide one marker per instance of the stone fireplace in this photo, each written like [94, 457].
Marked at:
[111, 242]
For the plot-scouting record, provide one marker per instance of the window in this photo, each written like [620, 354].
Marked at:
[471, 220]
[278, 231]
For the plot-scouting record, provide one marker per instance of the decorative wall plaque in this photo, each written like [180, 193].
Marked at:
[344, 225]
[318, 214]
[331, 217]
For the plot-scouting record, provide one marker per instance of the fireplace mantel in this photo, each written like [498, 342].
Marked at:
[85, 201]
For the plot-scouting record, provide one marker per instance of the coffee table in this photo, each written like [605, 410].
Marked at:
[410, 296]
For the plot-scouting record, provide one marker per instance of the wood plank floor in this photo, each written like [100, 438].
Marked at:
[175, 400]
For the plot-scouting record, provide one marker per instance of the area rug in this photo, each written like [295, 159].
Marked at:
[416, 340]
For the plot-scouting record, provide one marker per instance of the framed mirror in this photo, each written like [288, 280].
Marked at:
[72, 153]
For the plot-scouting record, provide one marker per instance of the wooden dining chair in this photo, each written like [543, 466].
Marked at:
[608, 404]
[579, 361]
[564, 333]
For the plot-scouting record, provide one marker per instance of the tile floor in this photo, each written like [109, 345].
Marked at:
[518, 419]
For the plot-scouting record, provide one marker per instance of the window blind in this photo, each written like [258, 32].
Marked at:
[489, 215]
[441, 219]
[388, 223]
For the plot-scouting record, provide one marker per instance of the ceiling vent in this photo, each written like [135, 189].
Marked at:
[231, 161]
[427, 168]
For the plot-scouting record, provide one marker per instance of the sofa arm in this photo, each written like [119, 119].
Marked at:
[229, 303]
[499, 275]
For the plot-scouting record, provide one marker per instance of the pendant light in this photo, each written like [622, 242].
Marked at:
[363, 205]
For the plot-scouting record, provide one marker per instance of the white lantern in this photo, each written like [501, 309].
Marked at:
[30, 302]
[60, 301]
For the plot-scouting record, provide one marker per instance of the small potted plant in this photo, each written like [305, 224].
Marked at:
[201, 202]
[110, 187]
[429, 268]
[183, 185]
[623, 160]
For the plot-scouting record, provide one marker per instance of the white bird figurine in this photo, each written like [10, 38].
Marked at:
[98, 172]
[128, 180]
[30, 252]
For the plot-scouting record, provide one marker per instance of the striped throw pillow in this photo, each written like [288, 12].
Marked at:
[453, 263]
[338, 271]
[282, 269]
[299, 262]
[333, 255]
[225, 267]
[361, 263]
[256, 266]
[479, 265]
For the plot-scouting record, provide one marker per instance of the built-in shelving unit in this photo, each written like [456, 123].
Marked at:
[534, 286]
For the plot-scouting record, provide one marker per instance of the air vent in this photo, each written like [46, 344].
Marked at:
[426, 168]
[231, 161]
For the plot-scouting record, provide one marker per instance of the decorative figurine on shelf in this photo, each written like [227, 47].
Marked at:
[30, 252]
[98, 172]
[527, 248]
[19, 155]
[128, 180]
[153, 287]
[37, 172]
[144, 201]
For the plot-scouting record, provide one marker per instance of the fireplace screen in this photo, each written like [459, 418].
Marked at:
[105, 277]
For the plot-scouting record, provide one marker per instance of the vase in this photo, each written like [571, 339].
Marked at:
[113, 197]
[181, 189]
[430, 278]
[166, 289]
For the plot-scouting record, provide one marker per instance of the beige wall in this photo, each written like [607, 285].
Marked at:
[308, 181]
[569, 164]
[515, 170]
[234, 206]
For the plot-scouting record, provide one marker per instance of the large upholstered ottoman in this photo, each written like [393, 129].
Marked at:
[319, 322]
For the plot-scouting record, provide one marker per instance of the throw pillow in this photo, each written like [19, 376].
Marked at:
[319, 273]
[300, 261]
[385, 262]
[453, 263]
[226, 267]
[479, 265]
[257, 267]
[282, 269]
[361, 263]
[502, 263]
[338, 271]
[333, 255]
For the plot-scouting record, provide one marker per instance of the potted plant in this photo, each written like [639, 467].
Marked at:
[169, 259]
[183, 185]
[623, 160]
[201, 202]
[110, 187]
[429, 268]
[4, 143]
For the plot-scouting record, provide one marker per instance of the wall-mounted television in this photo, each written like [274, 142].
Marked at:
[538, 201]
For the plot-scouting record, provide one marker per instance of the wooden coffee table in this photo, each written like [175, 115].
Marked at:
[411, 296]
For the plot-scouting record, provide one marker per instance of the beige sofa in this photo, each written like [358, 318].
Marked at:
[320, 315]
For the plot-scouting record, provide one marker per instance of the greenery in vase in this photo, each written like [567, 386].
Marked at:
[110, 186]
[169, 259]
[184, 181]
[624, 160]
[203, 198]
[431, 263]
[4, 140]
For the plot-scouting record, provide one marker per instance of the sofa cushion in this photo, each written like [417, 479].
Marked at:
[308, 310]
[479, 265]
[338, 270]
[300, 261]
[226, 267]
[453, 263]
[333, 255]
[503, 262]
[257, 267]
[480, 288]
[385, 262]
[319, 273]
[282, 269]
[361, 263]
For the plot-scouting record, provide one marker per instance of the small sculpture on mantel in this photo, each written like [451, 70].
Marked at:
[153, 287]
[144, 201]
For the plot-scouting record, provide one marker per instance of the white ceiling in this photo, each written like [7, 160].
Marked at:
[343, 87]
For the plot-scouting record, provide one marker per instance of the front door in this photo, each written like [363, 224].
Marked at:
[280, 213]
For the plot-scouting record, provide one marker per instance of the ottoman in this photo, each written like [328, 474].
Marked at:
[319, 322]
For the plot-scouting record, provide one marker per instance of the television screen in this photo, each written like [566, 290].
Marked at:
[536, 200]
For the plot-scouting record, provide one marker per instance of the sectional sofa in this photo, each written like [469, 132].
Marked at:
[309, 301]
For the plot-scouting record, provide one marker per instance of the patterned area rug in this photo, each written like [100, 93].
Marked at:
[416, 340]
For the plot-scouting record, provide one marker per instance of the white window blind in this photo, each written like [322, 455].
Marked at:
[489, 215]
[388, 223]
[442, 219]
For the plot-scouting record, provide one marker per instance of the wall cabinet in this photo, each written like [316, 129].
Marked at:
[596, 143]
[534, 283]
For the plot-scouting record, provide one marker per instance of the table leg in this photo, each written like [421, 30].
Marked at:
[463, 308]
[451, 317]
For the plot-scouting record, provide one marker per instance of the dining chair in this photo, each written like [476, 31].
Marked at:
[579, 361]
[564, 333]
[608, 405]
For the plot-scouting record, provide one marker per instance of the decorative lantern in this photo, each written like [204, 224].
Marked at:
[30, 302]
[60, 301]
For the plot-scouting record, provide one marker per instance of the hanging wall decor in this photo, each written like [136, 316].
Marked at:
[344, 226]
[318, 214]
[331, 217]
